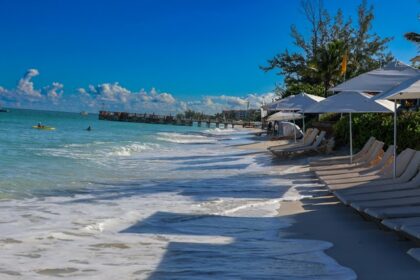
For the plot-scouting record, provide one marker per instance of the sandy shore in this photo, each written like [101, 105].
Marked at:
[262, 143]
[371, 252]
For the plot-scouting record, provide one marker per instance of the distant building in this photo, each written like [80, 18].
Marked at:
[238, 115]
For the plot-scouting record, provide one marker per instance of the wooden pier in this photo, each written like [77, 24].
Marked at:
[162, 119]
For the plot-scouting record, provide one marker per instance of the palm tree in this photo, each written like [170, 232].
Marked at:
[326, 65]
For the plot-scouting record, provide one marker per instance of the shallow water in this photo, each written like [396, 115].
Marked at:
[138, 201]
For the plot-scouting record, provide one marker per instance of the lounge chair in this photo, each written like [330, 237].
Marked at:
[403, 161]
[397, 224]
[415, 253]
[309, 138]
[398, 197]
[383, 189]
[369, 168]
[344, 159]
[374, 153]
[304, 149]
[412, 231]
[386, 190]
[393, 212]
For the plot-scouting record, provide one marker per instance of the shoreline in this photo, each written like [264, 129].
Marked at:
[371, 252]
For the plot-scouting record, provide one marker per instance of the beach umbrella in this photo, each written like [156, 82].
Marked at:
[407, 90]
[379, 80]
[352, 102]
[285, 116]
[299, 102]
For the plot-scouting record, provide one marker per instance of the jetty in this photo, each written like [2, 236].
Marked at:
[170, 120]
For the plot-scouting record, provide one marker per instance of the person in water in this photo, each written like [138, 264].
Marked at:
[89, 128]
[40, 125]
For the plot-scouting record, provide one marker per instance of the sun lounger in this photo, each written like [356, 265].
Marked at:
[401, 197]
[374, 152]
[393, 212]
[369, 192]
[314, 147]
[403, 160]
[415, 253]
[394, 191]
[344, 159]
[412, 230]
[308, 140]
[392, 202]
[396, 224]
[366, 169]
[409, 179]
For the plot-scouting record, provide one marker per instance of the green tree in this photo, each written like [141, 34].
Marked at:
[316, 66]
[413, 37]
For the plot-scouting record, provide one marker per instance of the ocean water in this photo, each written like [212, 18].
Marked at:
[140, 201]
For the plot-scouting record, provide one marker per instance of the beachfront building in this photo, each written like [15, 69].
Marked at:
[240, 115]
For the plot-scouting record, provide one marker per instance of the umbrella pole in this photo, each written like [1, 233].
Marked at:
[351, 141]
[294, 128]
[303, 119]
[395, 140]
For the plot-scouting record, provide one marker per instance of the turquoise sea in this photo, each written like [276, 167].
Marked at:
[141, 201]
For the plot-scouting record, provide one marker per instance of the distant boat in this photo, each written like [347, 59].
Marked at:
[84, 113]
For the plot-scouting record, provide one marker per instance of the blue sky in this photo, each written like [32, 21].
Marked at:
[188, 48]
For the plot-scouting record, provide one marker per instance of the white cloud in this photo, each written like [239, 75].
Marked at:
[25, 86]
[113, 96]
[54, 92]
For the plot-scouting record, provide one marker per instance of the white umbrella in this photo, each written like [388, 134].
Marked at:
[285, 116]
[299, 102]
[352, 102]
[408, 90]
[379, 80]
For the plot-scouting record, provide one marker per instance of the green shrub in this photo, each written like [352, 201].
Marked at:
[381, 127]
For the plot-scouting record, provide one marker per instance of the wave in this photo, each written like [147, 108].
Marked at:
[128, 150]
[98, 151]
[185, 138]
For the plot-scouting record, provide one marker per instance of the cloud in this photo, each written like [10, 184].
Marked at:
[28, 96]
[54, 92]
[114, 96]
[25, 86]
[218, 103]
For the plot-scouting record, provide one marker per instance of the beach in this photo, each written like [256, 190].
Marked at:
[139, 201]
[365, 247]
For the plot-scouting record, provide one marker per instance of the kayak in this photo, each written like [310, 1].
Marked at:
[44, 127]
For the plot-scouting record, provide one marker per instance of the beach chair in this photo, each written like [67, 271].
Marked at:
[344, 159]
[307, 140]
[374, 153]
[412, 231]
[369, 168]
[403, 160]
[415, 253]
[395, 197]
[397, 224]
[378, 188]
[316, 145]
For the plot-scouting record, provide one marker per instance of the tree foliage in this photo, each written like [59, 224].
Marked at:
[316, 66]
[380, 126]
[413, 37]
